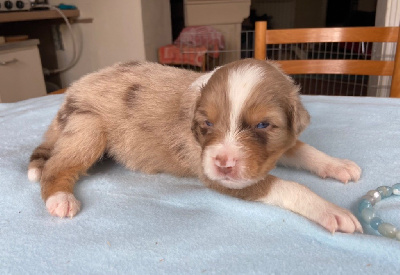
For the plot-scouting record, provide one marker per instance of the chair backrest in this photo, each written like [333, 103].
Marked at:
[264, 37]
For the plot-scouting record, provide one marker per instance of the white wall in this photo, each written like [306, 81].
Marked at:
[387, 14]
[156, 15]
[116, 34]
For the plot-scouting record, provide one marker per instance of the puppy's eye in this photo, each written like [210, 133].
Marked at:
[208, 123]
[262, 125]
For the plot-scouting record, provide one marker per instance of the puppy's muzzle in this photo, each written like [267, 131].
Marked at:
[225, 165]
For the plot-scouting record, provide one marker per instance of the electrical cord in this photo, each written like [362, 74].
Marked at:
[74, 58]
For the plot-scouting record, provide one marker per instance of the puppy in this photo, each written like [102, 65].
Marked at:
[228, 127]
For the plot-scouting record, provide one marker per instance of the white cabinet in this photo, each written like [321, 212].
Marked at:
[21, 75]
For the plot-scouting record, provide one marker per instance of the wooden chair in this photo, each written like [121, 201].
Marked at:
[333, 66]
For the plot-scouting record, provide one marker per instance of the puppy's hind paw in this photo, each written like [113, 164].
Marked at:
[63, 204]
[34, 174]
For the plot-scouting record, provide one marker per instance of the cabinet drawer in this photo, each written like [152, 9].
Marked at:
[21, 75]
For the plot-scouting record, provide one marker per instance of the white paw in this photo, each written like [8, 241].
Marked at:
[335, 218]
[343, 170]
[34, 174]
[63, 204]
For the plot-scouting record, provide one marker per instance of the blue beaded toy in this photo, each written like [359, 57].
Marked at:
[367, 212]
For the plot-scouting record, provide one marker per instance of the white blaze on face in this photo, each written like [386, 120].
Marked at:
[241, 84]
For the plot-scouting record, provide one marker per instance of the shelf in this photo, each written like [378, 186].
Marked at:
[36, 15]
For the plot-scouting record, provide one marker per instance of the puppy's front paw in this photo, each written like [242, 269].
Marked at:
[343, 170]
[63, 204]
[335, 218]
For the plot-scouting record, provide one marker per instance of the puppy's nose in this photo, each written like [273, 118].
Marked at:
[225, 164]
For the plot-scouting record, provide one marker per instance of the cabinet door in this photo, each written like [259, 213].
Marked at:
[21, 75]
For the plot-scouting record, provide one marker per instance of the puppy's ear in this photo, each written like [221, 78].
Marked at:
[194, 93]
[297, 114]
[202, 81]
[298, 117]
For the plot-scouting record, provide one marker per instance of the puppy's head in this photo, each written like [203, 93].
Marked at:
[247, 115]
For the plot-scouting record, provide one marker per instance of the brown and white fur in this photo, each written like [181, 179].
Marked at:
[229, 128]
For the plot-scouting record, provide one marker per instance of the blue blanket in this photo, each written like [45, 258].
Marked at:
[133, 223]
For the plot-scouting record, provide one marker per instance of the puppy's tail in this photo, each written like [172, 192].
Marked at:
[42, 153]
